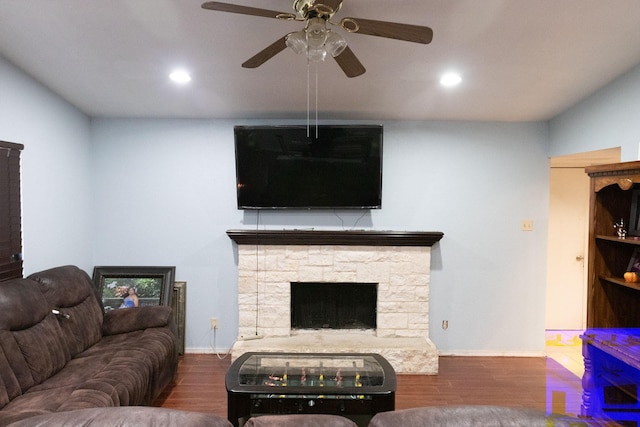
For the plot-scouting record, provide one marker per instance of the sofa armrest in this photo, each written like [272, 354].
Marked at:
[134, 319]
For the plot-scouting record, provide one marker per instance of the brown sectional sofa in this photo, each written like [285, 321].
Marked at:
[60, 352]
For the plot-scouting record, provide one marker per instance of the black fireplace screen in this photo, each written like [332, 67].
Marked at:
[317, 305]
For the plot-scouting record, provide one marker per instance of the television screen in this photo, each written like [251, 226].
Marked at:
[281, 167]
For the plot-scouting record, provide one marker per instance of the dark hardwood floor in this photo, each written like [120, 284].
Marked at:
[529, 382]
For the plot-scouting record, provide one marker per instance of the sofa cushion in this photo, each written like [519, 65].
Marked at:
[31, 340]
[125, 416]
[64, 286]
[138, 364]
[70, 290]
[22, 305]
[474, 416]
[42, 347]
[131, 319]
[9, 383]
[35, 403]
[80, 373]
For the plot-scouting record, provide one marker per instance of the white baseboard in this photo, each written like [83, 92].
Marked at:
[492, 353]
[467, 353]
[205, 350]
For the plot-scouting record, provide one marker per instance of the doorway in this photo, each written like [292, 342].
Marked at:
[567, 248]
[568, 234]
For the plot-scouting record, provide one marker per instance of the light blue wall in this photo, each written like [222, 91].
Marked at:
[162, 192]
[56, 171]
[166, 193]
[608, 118]
[165, 196]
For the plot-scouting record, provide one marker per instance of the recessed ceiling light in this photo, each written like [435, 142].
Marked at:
[450, 79]
[180, 76]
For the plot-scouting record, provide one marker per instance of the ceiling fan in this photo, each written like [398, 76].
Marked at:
[316, 40]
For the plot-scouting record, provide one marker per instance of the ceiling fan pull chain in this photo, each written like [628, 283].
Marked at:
[308, 97]
[316, 100]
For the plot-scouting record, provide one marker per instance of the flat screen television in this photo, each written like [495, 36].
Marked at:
[281, 167]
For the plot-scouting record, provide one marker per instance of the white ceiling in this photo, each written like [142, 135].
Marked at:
[521, 60]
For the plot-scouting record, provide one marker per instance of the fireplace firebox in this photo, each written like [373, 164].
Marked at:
[319, 305]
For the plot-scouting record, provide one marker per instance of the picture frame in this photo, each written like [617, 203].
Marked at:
[634, 217]
[179, 308]
[634, 262]
[151, 285]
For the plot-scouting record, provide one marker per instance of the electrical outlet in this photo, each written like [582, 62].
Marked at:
[214, 323]
[526, 225]
[445, 324]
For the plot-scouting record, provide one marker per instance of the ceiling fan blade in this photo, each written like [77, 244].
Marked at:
[351, 66]
[390, 30]
[266, 54]
[245, 10]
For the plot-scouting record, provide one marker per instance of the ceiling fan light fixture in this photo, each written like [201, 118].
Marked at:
[316, 55]
[316, 33]
[335, 44]
[297, 42]
[316, 41]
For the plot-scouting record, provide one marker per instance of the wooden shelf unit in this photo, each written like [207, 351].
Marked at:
[611, 302]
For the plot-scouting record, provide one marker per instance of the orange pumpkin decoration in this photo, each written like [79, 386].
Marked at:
[631, 276]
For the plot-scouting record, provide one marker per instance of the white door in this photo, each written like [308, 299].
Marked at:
[568, 217]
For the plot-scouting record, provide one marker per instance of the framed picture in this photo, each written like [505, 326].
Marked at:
[124, 287]
[179, 307]
[634, 219]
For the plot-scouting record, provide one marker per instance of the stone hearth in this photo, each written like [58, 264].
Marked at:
[399, 262]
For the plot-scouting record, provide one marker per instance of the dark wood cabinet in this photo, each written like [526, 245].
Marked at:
[612, 302]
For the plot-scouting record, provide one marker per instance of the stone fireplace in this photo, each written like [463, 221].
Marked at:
[270, 261]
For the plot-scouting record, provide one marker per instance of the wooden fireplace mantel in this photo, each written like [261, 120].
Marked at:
[335, 237]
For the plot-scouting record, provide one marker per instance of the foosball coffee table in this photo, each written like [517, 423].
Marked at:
[353, 385]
